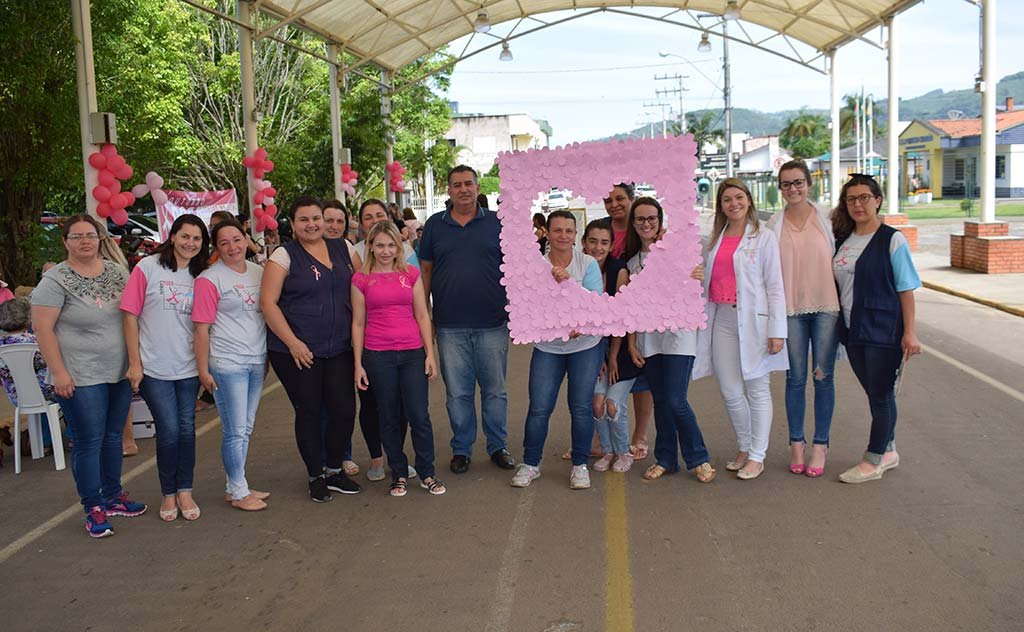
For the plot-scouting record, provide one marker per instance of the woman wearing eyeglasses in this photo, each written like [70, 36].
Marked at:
[667, 360]
[806, 246]
[876, 279]
[78, 323]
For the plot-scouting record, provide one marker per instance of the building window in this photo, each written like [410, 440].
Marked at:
[1000, 167]
[958, 169]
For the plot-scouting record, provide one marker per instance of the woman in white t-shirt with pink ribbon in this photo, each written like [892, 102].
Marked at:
[394, 354]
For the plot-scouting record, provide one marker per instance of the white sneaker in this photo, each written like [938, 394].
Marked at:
[579, 477]
[525, 475]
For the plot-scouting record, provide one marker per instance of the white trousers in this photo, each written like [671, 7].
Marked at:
[748, 402]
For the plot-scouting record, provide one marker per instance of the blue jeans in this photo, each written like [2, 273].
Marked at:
[547, 370]
[614, 431]
[400, 387]
[876, 369]
[469, 357]
[674, 419]
[96, 415]
[173, 404]
[819, 330]
[238, 398]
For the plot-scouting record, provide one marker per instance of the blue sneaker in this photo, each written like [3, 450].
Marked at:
[96, 523]
[122, 506]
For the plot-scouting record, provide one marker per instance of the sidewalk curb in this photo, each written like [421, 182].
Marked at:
[971, 297]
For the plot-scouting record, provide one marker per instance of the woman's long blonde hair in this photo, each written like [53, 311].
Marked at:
[721, 221]
[386, 227]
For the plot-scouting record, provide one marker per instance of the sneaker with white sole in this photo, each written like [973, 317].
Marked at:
[96, 523]
[525, 475]
[579, 477]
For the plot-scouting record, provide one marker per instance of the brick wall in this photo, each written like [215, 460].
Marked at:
[900, 222]
[988, 248]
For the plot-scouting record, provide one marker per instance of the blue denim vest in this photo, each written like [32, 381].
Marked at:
[876, 317]
[317, 301]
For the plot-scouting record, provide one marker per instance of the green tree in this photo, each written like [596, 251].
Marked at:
[705, 129]
[805, 135]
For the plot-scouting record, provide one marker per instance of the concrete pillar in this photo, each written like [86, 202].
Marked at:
[86, 79]
[835, 181]
[248, 80]
[893, 181]
[988, 111]
[386, 77]
[336, 142]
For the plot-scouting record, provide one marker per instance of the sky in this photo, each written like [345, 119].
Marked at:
[591, 77]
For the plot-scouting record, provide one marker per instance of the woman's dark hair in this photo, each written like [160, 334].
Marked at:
[166, 250]
[842, 223]
[65, 229]
[627, 188]
[15, 314]
[372, 202]
[338, 204]
[333, 204]
[408, 213]
[796, 164]
[633, 243]
[304, 200]
[221, 226]
[221, 216]
[539, 221]
[563, 214]
[599, 224]
[481, 200]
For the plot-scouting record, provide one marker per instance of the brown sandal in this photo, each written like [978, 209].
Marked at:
[655, 472]
[704, 472]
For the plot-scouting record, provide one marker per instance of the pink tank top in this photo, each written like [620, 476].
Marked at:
[723, 274]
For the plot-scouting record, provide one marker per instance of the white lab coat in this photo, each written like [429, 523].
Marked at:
[821, 214]
[760, 305]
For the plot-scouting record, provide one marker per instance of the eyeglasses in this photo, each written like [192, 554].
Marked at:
[85, 236]
[861, 199]
[789, 184]
[646, 220]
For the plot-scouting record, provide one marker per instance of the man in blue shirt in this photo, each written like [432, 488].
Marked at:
[460, 258]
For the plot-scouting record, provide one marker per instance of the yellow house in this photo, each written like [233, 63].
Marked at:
[921, 157]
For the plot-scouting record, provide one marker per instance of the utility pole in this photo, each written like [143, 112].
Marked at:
[679, 89]
[727, 93]
[664, 127]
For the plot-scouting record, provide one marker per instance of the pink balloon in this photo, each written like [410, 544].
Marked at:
[249, 162]
[257, 198]
[103, 210]
[154, 181]
[272, 210]
[257, 173]
[118, 201]
[129, 198]
[261, 222]
[269, 192]
[261, 153]
[139, 190]
[97, 160]
[271, 223]
[159, 197]
[345, 168]
[108, 150]
[119, 216]
[101, 193]
[258, 211]
[106, 178]
[268, 201]
[115, 163]
[355, 174]
[114, 187]
[124, 173]
[268, 165]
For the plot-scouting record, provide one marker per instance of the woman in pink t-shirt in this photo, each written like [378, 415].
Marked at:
[391, 337]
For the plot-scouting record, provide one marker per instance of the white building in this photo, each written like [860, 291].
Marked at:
[479, 137]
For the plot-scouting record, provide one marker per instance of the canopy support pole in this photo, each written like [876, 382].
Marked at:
[249, 114]
[988, 111]
[834, 148]
[332, 54]
[387, 78]
[893, 178]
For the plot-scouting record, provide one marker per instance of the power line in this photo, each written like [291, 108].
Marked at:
[551, 72]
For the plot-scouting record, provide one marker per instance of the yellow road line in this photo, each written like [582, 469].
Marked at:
[619, 583]
[76, 509]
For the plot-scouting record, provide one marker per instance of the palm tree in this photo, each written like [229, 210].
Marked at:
[703, 129]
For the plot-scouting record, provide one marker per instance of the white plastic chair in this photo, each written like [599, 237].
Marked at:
[20, 359]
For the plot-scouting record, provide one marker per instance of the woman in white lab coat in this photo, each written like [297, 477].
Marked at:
[746, 322]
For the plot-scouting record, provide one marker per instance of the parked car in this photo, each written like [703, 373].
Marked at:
[645, 190]
[138, 225]
[557, 201]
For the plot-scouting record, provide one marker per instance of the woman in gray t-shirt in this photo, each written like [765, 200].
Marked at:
[77, 320]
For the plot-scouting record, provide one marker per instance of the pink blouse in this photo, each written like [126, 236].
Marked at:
[390, 320]
[807, 269]
[723, 274]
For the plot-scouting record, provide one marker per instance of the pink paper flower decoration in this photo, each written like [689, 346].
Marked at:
[662, 297]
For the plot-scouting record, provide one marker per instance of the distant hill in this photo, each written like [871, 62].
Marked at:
[931, 105]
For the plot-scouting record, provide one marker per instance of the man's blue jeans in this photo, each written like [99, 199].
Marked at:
[97, 414]
[819, 330]
[547, 370]
[239, 387]
[674, 419]
[469, 357]
[173, 405]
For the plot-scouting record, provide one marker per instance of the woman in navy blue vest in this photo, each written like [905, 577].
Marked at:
[876, 280]
[305, 298]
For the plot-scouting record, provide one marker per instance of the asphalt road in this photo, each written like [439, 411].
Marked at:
[935, 545]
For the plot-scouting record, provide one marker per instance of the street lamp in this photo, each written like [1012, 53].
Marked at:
[482, 24]
[705, 43]
[506, 54]
[732, 11]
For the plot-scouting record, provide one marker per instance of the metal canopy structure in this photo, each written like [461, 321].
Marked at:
[389, 34]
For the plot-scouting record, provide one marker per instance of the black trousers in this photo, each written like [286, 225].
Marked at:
[328, 383]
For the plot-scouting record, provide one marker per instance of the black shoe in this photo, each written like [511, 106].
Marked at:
[341, 483]
[503, 459]
[318, 491]
[460, 464]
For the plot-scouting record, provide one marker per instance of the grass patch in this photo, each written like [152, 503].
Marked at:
[951, 210]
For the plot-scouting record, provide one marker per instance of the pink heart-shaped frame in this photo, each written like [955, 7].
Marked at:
[660, 298]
